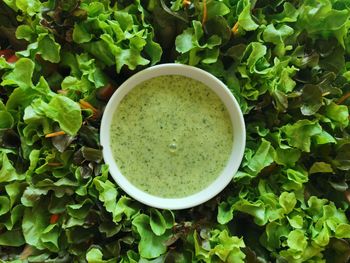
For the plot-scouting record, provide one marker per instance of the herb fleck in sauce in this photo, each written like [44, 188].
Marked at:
[171, 136]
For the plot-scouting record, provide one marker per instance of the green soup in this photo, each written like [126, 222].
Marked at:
[171, 136]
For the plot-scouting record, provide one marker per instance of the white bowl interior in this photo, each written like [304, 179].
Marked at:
[238, 125]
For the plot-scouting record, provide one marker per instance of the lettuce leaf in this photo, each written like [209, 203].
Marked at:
[287, 64]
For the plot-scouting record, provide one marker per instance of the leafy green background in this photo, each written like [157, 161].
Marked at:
[286, 62]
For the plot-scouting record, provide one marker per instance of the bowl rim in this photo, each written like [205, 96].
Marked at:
[239, 136]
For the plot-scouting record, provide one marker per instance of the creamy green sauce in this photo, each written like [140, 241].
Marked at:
[171, 136]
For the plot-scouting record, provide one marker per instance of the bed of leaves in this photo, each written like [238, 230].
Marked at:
[286, 62]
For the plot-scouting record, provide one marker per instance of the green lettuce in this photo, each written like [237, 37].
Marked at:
[287, 64]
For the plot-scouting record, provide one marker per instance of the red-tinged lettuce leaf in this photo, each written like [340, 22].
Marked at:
[312, 99]
[338, 251]
[342, 161]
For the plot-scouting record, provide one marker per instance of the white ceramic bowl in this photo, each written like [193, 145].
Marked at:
[239, 136]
